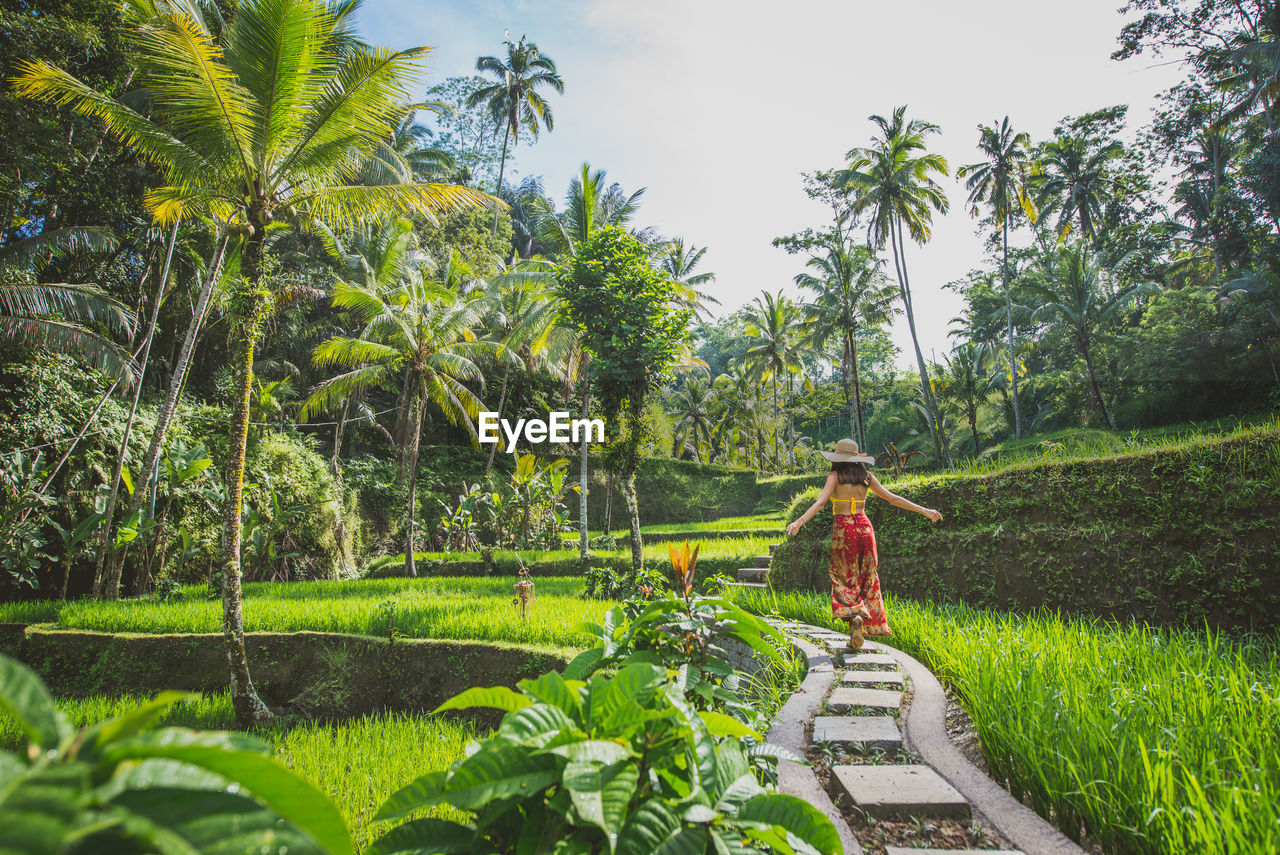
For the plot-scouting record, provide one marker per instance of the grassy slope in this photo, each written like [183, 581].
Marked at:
[1178, 530]
[1155, 740]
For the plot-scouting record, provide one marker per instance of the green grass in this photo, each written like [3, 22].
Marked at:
[1156, 740]
[716, 555]
[357, 763]
[439, 607]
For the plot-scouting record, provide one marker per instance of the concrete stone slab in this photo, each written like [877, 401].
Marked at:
[844, 700]
[869, 660]
[761, 560]
[872, 731]
[908, 850]
[910, 791]
[753, 574]
[871, 678]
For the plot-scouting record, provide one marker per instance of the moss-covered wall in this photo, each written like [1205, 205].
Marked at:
[314, 674]
[1188, 535]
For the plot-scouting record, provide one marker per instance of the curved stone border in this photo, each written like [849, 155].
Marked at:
[788, 731]
[924, 732]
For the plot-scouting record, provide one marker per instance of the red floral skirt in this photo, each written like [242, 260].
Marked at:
[855, 586]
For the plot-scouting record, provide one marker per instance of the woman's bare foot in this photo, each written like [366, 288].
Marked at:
[855, 632]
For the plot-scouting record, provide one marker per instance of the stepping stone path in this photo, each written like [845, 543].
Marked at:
[912, 850]
[863, 713]
[845, 700]
[900, 791]
[869, 731]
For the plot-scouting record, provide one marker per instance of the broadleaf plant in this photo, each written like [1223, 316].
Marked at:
[120, 787]
[622, 764]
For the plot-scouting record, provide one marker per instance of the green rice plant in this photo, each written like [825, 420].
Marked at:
[360, 762]
[1153, 740]
[38, 611]
[459, 608]
[203, 712]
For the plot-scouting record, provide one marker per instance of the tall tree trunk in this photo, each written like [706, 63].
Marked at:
[89, 422]
[502, 402]
[583, 541]
[857, 388]
[418, 404]
[628, 485]
[502, 165]
[250, 710]
[1093, 383]
[629, 479]
[176, 384]
[110, 586]
[777, 414]
[1013, 363]
[609, 480]
[926, 388]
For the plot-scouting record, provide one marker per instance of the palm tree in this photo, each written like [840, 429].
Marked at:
[522, 316]
[514, 99]
[691, 406]
[679, 260]
[1082, 297]
[892, 181]
[590, 204]
[851, 293]
[272, 117]
[54, 316]
[966, 381]
[1077, 182]
[408, 156]
[417, 340]
[998, 180]
[773, 322]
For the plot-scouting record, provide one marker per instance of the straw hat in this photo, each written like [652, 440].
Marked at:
[847, 452]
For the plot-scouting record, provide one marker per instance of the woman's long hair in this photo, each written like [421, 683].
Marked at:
[851, 473]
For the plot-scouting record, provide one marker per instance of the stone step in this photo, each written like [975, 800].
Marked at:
[761, 560]
[870, 661]
[911, 850]
[846, 700]
[761, 585]
[839, 643]
[900, 791]
[772, 547]
[753, 574]
[871, 731]
[871, 678]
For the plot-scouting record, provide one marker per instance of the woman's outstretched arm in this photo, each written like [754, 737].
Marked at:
[894, 499]
[817, 506]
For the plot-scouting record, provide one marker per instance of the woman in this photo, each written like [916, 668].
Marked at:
[855, 587]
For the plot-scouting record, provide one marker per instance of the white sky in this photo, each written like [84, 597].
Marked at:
[717, 107]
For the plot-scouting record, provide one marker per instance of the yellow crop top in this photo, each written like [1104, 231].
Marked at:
[852, 502]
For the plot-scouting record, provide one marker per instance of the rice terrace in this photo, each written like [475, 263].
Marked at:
[881, 456]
